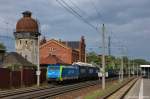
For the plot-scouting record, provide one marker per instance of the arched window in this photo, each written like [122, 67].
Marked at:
[20, 41]
[26, 56]
[26, 42]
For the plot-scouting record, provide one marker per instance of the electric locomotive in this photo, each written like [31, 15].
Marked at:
[76, 71]
[61, 73]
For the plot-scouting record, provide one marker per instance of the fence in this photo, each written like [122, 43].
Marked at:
[26, 77]
[4, 78]
[15, 80]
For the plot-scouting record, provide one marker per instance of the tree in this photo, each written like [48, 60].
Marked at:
[141, 61]
[110, 62]
[14, 67]
[2, 46]
[92, 57]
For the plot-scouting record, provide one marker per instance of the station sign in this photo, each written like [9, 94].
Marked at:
[100, 74]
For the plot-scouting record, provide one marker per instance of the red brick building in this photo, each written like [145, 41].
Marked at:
[62, 52]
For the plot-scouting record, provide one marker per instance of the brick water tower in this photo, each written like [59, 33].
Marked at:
[26, 37]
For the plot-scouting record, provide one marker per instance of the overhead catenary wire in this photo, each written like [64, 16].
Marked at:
[60, 3]
[75, 13]
[84, 20]
[77, 7]
[96, 9]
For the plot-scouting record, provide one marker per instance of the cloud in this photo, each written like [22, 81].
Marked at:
[128, 20]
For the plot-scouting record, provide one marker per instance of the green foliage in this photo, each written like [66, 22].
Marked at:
[14, 67]
[141, 62]
[125, 60]
[2, 46]
[92, 57]
[113, 62]
[110, 62]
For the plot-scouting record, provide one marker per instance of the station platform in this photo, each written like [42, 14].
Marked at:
[140, 90]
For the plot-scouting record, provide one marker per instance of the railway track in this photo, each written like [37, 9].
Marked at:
[48, 91]
[8, 93]
[120, 92]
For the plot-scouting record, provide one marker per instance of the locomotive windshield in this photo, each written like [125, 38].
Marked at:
[52, 68]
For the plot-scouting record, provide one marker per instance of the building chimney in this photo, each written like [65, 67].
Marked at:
[82, 39]
[43, 40]
[27, 14]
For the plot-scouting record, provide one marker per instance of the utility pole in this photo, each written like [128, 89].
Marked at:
[38, 72]
[120, 72]
[133, 68]
[129, 68]
[103, 57]
[122, 63]
[137, 70]
[109, 45]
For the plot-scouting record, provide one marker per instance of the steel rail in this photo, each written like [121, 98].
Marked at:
[24, 90]
[116, 90]
[48, 91]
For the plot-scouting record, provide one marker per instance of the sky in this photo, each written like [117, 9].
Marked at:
[126, 22]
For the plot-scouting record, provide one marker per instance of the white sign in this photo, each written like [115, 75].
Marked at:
[38, 72]
[100, 74]
[106, 74]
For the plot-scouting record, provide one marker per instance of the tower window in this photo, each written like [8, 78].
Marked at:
[26, 42]
[26, 56]
[20, 41]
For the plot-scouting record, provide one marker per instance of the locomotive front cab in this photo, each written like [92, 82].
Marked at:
[54, 73]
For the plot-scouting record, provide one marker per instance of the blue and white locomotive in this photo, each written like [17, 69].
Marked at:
[76, 71]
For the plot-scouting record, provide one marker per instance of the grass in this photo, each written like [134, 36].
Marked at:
[110, 87]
